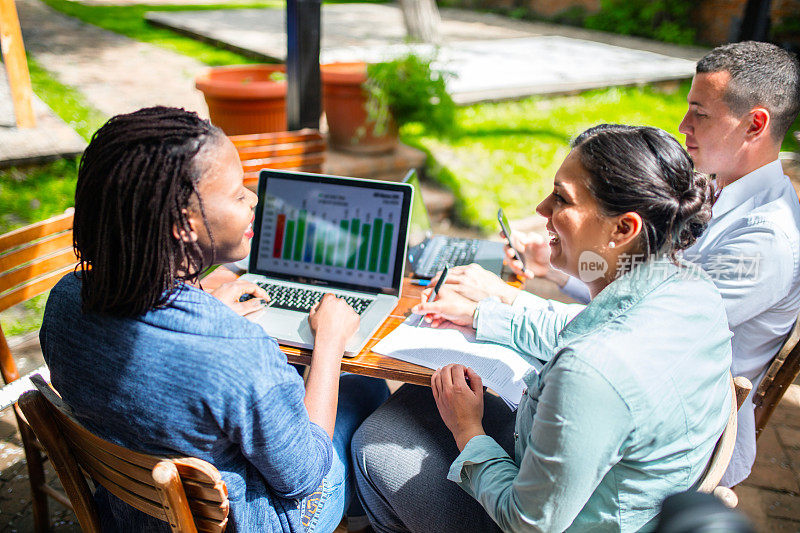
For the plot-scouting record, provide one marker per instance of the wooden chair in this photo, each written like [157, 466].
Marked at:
[740, 387]
[781, 373]
[302, 150]
[32, 260]
[185, 492]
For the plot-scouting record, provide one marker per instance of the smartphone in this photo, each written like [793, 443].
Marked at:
[505, 227]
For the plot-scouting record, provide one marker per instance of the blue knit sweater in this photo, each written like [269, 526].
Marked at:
[192, 378]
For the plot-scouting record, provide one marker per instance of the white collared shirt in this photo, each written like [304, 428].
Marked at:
[751, 250]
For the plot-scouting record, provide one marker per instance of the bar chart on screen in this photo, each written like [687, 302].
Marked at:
[350, 237]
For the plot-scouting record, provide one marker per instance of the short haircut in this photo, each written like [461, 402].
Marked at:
[762, 74]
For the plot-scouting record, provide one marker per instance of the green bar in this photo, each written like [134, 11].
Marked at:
[301, 233]
[330, 245]
[288, 238]
[319, 243]
[373, 249]
[362, 253]
[385, 247]
[342, 244]
[352, 249]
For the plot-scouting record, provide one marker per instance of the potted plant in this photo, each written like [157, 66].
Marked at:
[365, 104]
[245, 98]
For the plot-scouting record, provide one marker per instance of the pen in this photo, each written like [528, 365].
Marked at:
[435, 291]
[421, 282]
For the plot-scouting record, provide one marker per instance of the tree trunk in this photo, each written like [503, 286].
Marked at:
[422, 20]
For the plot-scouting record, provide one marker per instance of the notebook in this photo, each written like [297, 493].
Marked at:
[316, 234]
[429, 253]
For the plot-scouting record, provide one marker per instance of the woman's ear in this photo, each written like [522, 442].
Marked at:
[627, 229]
[182, 234]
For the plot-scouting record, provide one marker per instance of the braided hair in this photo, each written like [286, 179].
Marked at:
[645, 170]
[136, 180]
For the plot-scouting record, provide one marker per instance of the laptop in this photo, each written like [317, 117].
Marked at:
[315, 234]
[428, 253]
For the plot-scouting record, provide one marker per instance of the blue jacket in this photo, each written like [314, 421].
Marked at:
[192, 378]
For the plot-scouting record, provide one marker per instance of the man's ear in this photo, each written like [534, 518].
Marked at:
[182, 234]
[760, 121]
[627, 229]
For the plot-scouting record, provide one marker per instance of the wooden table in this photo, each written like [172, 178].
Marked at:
[367, 362]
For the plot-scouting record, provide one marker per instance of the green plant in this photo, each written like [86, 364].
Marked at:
[664, 20]
[408, 89]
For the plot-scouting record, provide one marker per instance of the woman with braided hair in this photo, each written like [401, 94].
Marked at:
[149, 361]
[635, 390]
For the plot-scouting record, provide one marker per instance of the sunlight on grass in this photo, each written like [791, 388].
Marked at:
[505, 154]
[67, 102]
[32, 194]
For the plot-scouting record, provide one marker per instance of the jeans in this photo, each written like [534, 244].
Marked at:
[322, 511]
[402, 454]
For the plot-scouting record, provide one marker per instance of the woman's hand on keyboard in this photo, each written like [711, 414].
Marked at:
[333, 321]
[230, 293]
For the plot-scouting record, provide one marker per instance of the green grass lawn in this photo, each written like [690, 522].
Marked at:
[505, 154]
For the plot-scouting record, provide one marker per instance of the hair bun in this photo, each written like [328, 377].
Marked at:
[693, 212]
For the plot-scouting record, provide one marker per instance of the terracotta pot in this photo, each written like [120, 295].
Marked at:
[243, 99]
[344, 101]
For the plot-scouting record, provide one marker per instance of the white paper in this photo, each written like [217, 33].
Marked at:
[501, 368]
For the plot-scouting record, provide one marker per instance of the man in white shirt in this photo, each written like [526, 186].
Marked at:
[743, 99]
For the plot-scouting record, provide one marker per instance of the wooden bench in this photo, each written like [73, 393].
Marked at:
[302, 150]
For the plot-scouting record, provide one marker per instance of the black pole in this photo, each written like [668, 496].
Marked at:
[755, 22]
[303, 92]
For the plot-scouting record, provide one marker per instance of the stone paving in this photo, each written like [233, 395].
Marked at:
[115, 74]
[489, 60]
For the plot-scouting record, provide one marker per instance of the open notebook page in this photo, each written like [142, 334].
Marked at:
[500, 367]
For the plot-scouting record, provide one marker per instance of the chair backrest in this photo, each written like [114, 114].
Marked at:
[781, 373]
[302, 150]
[721, 456]
[32, 260]
[185, 492]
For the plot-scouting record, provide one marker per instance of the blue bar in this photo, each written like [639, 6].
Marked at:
[308, 256]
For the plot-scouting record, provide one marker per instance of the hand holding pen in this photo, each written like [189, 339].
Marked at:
[444, 303]
[432, 295]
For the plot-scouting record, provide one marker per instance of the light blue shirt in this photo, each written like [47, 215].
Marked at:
[627, 411]
[751, 250]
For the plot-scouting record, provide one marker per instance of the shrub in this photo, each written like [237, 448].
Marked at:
[664, 20]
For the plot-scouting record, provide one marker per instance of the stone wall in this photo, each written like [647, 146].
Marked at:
[717, 20]
[550, 8]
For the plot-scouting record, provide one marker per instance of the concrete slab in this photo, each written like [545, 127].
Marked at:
[115, 74]
[489, 61]
[51, 139]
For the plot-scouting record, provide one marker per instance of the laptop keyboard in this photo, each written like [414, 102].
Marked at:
[302, 300]
[454, 251]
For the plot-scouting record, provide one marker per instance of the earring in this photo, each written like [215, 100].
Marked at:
[612, 244]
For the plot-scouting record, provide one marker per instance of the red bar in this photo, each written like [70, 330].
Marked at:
[276, 250]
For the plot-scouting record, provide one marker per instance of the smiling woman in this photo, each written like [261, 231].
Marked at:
[147, 360]
[635, 390]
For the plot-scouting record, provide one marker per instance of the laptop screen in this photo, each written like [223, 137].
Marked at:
[419, 228]
[331, 231]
